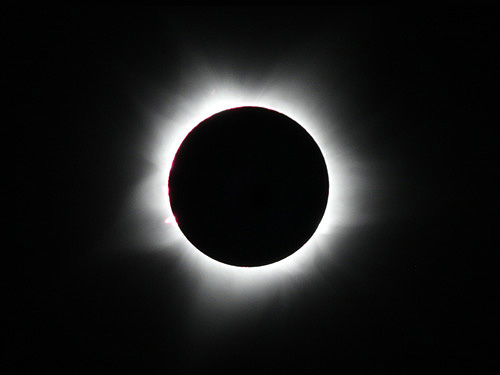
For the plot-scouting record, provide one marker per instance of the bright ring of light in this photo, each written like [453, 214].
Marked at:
[223, 284]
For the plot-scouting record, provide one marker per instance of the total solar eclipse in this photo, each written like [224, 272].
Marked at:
[248, 186]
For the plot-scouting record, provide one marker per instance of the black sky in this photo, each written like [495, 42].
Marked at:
[414, 93]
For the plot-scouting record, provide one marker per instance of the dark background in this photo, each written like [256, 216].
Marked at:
[416, 91]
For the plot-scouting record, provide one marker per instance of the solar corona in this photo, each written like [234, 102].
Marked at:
[225, 235]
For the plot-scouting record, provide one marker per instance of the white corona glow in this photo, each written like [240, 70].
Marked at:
[217, 286]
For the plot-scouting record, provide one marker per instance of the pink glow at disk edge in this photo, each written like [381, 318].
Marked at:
[171, 220]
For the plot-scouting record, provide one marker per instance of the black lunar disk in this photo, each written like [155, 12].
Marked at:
[248, 186]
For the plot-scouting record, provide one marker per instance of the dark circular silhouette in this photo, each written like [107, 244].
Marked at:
[248, 186]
